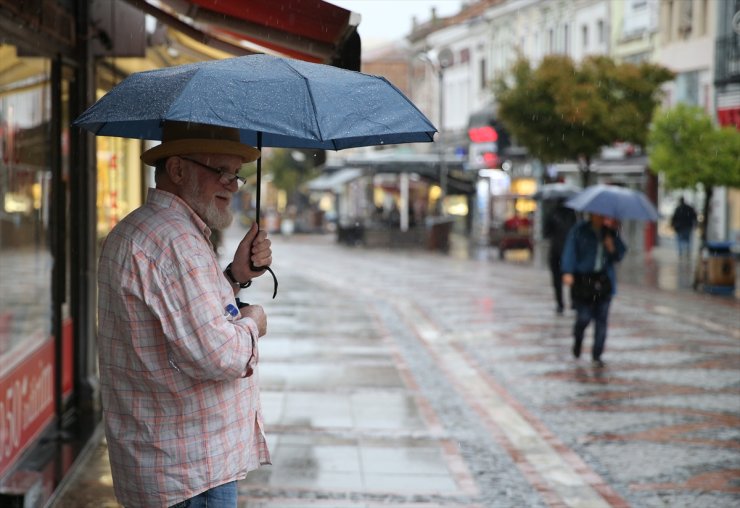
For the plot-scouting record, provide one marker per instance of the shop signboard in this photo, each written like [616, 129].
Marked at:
[26, 402]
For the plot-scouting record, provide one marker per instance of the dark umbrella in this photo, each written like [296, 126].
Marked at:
[293, 104]
[612, 201]
[557, 190]
[273, 101]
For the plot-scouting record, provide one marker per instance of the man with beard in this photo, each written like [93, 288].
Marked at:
[178, 352]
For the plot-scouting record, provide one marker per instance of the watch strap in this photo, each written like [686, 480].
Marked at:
[230, 275]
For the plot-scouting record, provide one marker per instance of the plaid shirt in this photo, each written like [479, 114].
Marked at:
[179, 417]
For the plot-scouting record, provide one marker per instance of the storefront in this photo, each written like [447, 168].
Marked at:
[26, 337]
[47, 402]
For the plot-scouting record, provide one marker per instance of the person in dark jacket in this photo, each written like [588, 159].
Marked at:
[557, 226]
[592, 247]
[683, 223]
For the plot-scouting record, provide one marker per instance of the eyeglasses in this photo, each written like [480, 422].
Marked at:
[225, 177]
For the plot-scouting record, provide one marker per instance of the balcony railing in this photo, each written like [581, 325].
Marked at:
[727, 66]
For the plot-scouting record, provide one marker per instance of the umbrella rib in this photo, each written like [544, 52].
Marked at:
[313, 102]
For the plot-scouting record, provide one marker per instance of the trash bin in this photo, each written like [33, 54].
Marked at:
[716, 268]
[438, 233]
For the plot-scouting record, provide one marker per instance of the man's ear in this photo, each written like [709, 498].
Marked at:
[175, 170]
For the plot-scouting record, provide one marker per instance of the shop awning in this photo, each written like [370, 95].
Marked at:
[630, 165]
[393, 161]
[426, 165]
[332, 182]
[311, 30]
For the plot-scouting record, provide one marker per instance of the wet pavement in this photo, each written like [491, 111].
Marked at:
[414, 378]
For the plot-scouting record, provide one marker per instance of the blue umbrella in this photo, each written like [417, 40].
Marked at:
[273, 101]
[612, 201]
[291, 103]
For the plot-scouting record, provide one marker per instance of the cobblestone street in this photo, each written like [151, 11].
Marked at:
[412, 378]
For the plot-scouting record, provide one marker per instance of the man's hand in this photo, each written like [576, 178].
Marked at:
[609, 244]
[568, 279]
[257, 314]
[255, 246]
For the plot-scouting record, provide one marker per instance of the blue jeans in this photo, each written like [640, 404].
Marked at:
[599, 313]
[223, 496]
[683, 239]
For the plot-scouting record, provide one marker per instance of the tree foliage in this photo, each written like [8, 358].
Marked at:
[688, 149]
[562, 111]
[290, 169]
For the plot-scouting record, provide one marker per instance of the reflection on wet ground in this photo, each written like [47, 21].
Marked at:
[661, 268]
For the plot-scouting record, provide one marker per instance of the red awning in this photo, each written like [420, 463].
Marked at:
[312, 30]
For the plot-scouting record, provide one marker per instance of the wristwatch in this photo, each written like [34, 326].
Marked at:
[232, 279]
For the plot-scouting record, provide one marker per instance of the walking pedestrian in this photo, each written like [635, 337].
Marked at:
[181, 405]
[557, 225]
[683, 222]
[591, 250]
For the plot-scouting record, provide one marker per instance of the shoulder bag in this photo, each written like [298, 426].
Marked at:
[591, 287]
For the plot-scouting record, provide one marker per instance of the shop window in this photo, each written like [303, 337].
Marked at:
[36, 236]
[119, 180]
[464, 56]
[483, 73]
[687, 88]
[25, 205]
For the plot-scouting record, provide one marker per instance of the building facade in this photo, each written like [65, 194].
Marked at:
[727, 93]
[697, 39]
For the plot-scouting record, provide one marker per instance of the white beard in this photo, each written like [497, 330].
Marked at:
[206, 210]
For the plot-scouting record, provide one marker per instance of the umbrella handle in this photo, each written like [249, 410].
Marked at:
[257, 215]
[258, 190]
[274, 278]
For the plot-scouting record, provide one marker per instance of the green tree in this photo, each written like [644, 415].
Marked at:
[290, 169]
[562, 111]
[689, 149]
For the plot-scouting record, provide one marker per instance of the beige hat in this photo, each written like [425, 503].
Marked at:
[184, 138]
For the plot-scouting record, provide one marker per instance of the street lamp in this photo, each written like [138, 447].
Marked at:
[439, 61]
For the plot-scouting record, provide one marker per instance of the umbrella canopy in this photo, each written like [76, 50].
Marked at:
[612, 201]
[291, 103]
[552, 191]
